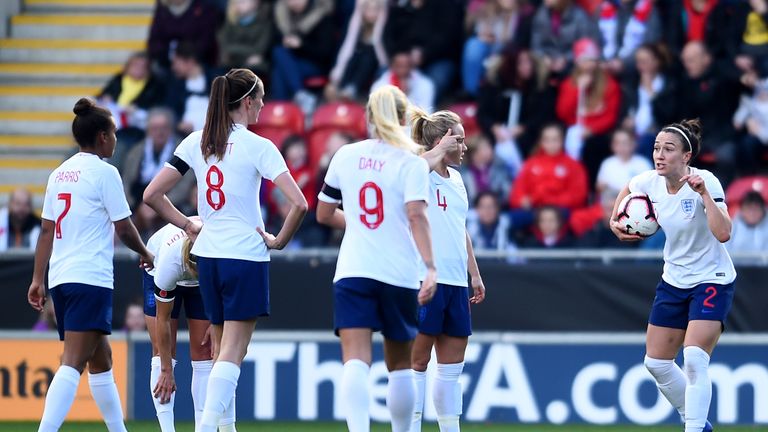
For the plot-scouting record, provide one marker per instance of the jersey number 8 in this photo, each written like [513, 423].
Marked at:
[215, 188]
[374, 212]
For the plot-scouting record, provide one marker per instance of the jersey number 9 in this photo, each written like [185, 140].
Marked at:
[374, 214]
[215, 188]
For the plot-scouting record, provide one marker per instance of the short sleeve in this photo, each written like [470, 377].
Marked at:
[168, 268]
[113, 196]
[639, 183]
[270, 162]
[331, 181]
[47, 212]
[183, 150]
[715, 189]
[416, 179]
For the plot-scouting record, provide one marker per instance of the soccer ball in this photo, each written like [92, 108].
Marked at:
[637, 215]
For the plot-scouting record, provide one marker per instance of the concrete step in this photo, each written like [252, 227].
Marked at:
[61, 26]
[41, 146]
[43, 98]
[67, 50]
[134, 6]
[28, 171]
[64, 74]
[47, 123]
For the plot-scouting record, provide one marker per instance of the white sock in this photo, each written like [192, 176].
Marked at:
[354, 395]
[201, 370]
[698, 393]
[104, 392]
[401, 396]
[227, 420]
[670, 380]
[420, 380]
[164, 411]
[447, 396]
[222, 384]
[61, 394]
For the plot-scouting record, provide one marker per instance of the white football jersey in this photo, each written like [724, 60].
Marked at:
[228, 193]
[376, 180]
[84, 196]
[166, 245]
[448, 207]
[692, 254]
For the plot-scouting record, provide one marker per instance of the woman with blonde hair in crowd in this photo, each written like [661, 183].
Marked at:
[384, 187]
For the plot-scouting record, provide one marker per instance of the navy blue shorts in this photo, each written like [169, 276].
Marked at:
[81, 307]
[673, 307]
[368, 303]
[233, 289]
[189, 297]
[447, 313]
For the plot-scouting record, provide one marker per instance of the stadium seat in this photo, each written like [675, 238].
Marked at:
[278, 120]
[468, 113]
[739, 187]
[334, 117]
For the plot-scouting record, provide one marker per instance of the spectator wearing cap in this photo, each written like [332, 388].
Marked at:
[19, 227]
[588, 103]
[750, 227]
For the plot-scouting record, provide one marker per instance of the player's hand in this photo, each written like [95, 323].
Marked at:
[621, 232]
[147, 261]
[478, 290]
[193, 228]
[449, 143]
[165, 387]
[36, 296]
[207, 340]
[428, 287]
[269, 239]
[695, 182]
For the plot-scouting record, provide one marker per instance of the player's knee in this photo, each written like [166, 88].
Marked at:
[199, 352]
[657, 367]
[696, 362]
[419, 362]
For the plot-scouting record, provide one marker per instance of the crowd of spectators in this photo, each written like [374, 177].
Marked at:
[569, 96]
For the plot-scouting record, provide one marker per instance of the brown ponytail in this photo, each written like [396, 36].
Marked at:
[227, 93]
[427, 129]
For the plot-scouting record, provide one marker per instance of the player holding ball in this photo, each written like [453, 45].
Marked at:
[696, 289]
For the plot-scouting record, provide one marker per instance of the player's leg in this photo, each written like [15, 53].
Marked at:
[420, 356]
[447, 394]
[399, 311]
[222, 383]
[663, 340]
[103, 387]
[708, 311]
[78, 348]
[166, 327]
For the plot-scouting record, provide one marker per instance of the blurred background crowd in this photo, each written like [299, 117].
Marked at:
[561, 101]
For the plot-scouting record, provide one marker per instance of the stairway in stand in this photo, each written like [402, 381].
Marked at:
[57, 52]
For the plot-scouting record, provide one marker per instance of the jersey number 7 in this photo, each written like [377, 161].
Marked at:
[67, 198]
[373, 214]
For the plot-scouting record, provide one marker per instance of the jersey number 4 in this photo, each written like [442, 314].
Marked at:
[214, 188]
[67, 198]
[373, 214]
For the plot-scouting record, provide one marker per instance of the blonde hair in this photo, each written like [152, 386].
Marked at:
[387, 107]
[426, 129]
[190, 263]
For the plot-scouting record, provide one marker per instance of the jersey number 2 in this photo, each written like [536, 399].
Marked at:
[67, 198]
[215, 188]
[374, 215]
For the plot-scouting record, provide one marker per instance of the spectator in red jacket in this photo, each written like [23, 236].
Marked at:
[549, 176]
[588, 102]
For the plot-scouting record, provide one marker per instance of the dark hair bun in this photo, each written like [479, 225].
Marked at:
[84, 106]
[693, 127]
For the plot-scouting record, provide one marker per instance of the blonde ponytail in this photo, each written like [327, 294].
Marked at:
[189, 260]
[428, 129]
[387, 108]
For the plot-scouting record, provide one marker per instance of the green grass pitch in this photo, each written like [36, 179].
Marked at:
[340, 427]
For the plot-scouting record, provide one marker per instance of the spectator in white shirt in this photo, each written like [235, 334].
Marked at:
[615, 171]
[401, 74]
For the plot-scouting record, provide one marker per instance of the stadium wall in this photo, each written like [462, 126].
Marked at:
[537, 296]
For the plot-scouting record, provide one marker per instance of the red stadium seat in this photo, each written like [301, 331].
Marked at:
[468, 113]
[277, 120]
[334, 117]
[739, 187]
